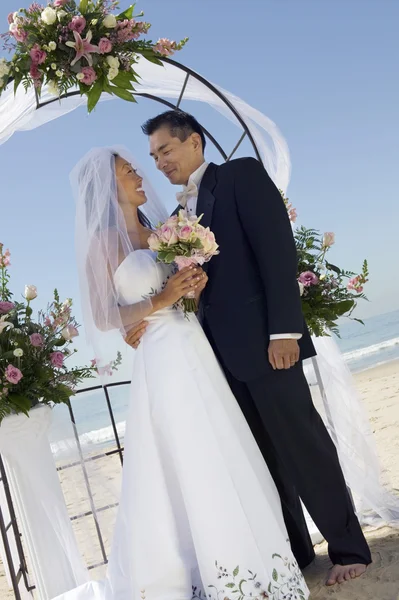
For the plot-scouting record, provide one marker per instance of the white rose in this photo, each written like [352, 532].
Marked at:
[59, 73]
[30, 292]
[80, 76]
[110, 21]
[53, 88]
[52, 46]
[49, 16]
[113, 62]
[301, 288]
[112, 73]
[61, 14]
[54, 66]
[18, 352]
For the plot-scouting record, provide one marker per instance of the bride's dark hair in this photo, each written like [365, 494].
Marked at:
[143, 220]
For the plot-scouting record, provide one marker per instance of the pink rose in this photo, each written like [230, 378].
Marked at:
[77, 24]
[168, 235]
[90, 75]
[60, 3]
[104, 46]
[328, 239]
[154, 242]
[37, 55]
[185, 232]
[184, 261]
[209, 243]
[13, 375]
[292, 215]
[308, 278]
[34, 72]
[5, 307]
[36, 340]
[57, 359]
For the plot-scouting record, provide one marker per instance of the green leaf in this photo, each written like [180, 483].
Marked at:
[127, 14]
[169, 258]
[340, 308]
[236, 571]
[333, 268]
[123, 94]
[94, 95]
[83, 6]
[59, 342]
[20, 402]
[17, 81]
[230, 585]
[275, 575]
[28, 311]
[151, 56]
[123, 80]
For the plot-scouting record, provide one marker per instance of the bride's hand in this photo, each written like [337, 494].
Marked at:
[201, 285]
[178, 285]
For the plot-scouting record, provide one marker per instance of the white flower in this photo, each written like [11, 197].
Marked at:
[52, 46]
[54, 66]
[13, 27]
[4, 68]
[53, 88]
[18, 352]
[59, 73]
[5, 324]
[17, 69]
[80, 76]
[49, 16]
[94, 22]
[112, 73]
[113, 62]
[61, 14]
[30, 292]
[110, 22]
[301, 288]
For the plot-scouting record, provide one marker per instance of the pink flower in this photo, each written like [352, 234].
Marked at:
[47, 322]
[20, 35]
[57, 359]
[37, 55]
[10, 18]
[104, 46]
[308, 278]
[93, 362]
[185, 232]
[165, 47]
[90, 75]
[34, 72]
[328, 239]
[168, 235]
[13, 375]
[5, 307]
[209, 244]
[355, 284]
[292, 215]
[77, 24]
[83, 48]
[59, 3]
[184, 261]
[69, 332]
[154, 242]
[36, 340]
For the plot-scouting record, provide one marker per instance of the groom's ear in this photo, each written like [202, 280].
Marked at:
[197, 142]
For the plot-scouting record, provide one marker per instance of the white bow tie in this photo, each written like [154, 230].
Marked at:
[190, 191]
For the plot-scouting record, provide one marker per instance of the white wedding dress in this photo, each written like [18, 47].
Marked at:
[199, 514]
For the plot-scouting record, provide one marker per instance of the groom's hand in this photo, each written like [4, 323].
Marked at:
[134, 335]
[283, 354]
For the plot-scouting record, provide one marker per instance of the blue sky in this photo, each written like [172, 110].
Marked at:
[324, 70]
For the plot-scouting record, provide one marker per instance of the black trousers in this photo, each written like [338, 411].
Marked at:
[303, 462]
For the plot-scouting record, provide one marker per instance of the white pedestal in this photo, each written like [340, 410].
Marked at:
[54, 559]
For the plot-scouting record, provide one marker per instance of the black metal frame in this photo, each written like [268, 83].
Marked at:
[22, 571]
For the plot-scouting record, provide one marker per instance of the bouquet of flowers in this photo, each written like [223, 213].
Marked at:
[79, 44]
[183, 241]
[327, 291]
[33, 354]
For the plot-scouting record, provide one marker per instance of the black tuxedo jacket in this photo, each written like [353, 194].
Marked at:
[252, 291]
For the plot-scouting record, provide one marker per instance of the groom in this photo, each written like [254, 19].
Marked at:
[251, 314]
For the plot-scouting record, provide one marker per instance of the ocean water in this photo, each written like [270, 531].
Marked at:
[363, 347]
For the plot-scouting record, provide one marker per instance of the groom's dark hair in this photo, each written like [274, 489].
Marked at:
[179, 123]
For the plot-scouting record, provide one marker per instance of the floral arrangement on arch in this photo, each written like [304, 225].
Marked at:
[34, 354]
[328, 292]
[86, 45]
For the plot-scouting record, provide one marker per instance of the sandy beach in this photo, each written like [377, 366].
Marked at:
[379, 389]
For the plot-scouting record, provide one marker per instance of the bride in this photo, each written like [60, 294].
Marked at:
[199, 515]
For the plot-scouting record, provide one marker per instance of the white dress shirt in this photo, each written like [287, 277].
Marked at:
[190, 194]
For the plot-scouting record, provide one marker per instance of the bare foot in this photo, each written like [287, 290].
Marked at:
[341, 573]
